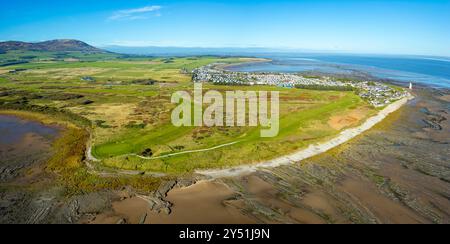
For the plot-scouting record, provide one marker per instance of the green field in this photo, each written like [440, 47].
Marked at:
[127, 99]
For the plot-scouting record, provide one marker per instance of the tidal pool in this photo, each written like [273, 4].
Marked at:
[14, 129]
[23, 143]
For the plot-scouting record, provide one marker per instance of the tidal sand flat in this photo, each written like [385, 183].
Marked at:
[203, 203]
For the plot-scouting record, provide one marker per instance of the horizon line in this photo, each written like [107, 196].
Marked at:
[269, 49]
[279, 50]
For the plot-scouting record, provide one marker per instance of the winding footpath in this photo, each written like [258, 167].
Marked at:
[185, 152]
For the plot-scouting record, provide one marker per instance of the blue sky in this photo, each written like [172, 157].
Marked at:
[387, 27]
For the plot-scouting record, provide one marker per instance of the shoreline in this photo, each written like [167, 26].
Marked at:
[251, 62]
[312, 150]
[36, 117]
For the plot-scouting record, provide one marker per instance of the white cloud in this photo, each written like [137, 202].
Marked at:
[136, 13]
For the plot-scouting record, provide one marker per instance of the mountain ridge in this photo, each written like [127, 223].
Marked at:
[58, 45]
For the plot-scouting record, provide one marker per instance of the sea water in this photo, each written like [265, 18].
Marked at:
[429, 71]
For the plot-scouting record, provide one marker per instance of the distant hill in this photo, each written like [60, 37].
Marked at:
[66, 45]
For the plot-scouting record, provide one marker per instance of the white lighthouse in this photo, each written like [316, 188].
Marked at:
[410, 85]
